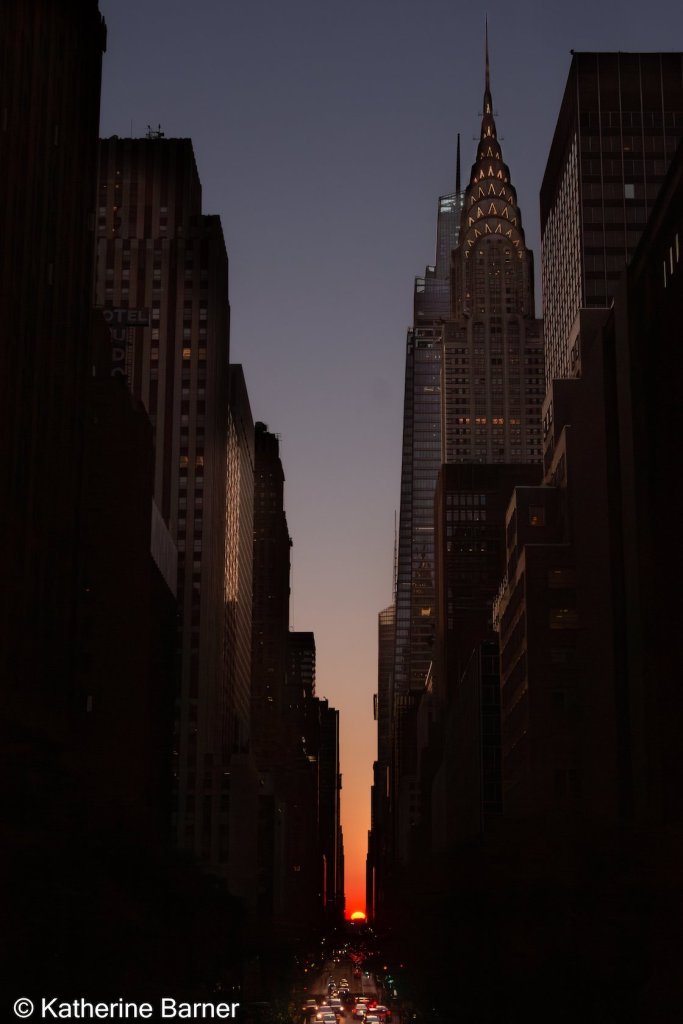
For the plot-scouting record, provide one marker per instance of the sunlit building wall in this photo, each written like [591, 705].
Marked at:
[239, 557]
[619, 125]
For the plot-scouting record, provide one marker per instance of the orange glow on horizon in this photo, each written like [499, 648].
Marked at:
[358, 915]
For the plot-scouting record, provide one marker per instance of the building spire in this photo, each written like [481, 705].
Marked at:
[486, 46]
[488, 124]
[490, 202]
[457, 167]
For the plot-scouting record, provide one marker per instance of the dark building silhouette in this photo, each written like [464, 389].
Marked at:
[156, 251]
[556, 664]
[617, 131]
[648, 364]
[50, 69]
[294, 735]
[300, 685]
[586, 570]
[379, 847]
[127, 625]
[540, 901]
[270, 615]
[470, 505]
[330, 822]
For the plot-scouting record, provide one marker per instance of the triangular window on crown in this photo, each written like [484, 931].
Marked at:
[499, 230]
[487, 229]
[505, 213]
[492, 190]
[479, 212]
[492, 209]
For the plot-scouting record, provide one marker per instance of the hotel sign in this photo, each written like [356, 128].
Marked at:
[118, 322]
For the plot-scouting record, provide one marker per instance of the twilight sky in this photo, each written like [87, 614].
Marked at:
[324, 132]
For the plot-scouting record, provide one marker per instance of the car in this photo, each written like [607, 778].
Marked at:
[310, 1006]
[359, 1012]
[383, 1012]
[372, 1018]
[344, 983]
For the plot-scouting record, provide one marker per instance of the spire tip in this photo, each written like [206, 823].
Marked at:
[457, 167]
[486, 47]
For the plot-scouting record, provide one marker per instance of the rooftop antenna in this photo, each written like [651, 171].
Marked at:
[395, 570]
[488, 73]
[457, 167]
[154, 133]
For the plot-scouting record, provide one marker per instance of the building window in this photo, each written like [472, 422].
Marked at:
[560, 578]
[536, 515]
[563, 618]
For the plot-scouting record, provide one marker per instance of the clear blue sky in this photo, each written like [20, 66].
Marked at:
[324, 132]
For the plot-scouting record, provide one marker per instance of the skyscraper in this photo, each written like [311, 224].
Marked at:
[421, 455]
[50, 71]
[617, 131]
[157, 251]
[421, 458]
[492, 372]
[476, 363]
[270, 622]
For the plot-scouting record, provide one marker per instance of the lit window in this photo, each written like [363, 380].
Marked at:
[563, 618]
[536, 515]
